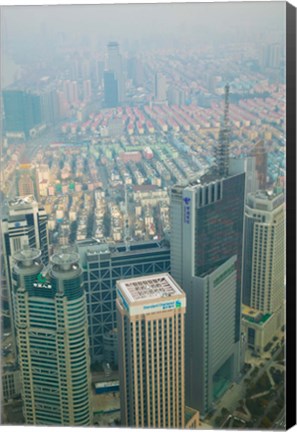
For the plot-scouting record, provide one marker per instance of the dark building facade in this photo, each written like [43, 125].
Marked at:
[103, 265]
[206, 260]
[22, 111]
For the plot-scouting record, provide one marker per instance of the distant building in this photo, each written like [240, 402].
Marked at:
[98, 72]
[22, 111]
[260, 154]
[103, 265]
[52, 336]
[176, 96]
[160, 88]
[87, 90]
[111, 96]
[26, 181]
[70, 91]
[43, 178]
[135, 71]
[115, 65]
[49, 102]
[271, 56]
[151, 312]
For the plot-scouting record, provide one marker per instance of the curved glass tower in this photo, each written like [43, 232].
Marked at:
[52, 339]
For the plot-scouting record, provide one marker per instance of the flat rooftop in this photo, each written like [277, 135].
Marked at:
[151, 287]
[254, 316]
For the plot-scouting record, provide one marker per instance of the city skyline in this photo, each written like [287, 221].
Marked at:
[143, 180]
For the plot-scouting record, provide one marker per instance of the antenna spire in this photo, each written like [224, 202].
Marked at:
[222, 149]
[126, 229]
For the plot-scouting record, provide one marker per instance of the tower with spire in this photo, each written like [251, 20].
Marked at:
[222, 149]
[206, 260]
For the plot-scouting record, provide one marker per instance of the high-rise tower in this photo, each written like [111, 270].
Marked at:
[160, 88]
[206, 259]
[22, 112]
[263, 282]
[24, 224]
[151, 312]
[264, 267]
[52, 338]
[111, 91]
[115, 65]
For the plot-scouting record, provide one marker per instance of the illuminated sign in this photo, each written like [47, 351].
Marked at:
[157, 307]
[178, 304]
[163, 306]
[187, 210]
[41, 282]
[137, 309]
[40, 278]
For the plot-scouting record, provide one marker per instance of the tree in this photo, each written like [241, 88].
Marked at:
[224, 411]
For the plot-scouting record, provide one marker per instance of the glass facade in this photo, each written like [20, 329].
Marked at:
[52, 341]
[219, 233]
[101, 271]
[22, 111]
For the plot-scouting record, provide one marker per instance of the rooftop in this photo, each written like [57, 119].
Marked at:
[22, 201]
[254, 316]
[150, 287]
[265, 194]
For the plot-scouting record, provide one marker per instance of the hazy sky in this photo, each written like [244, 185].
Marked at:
[143, 20]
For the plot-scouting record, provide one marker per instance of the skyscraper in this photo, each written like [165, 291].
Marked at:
[49, 106]
[24, 224]
[52, 336]
[151, 312]
[111, 92]
[263, 270]
[160, 88]
[206, 259]
[103, 265]
[265, 251]
[260, 154]
[115, 65]
[22, 111]
[135, 71]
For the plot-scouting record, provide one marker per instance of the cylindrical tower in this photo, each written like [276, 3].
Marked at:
[52, 335]
[72, 335]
